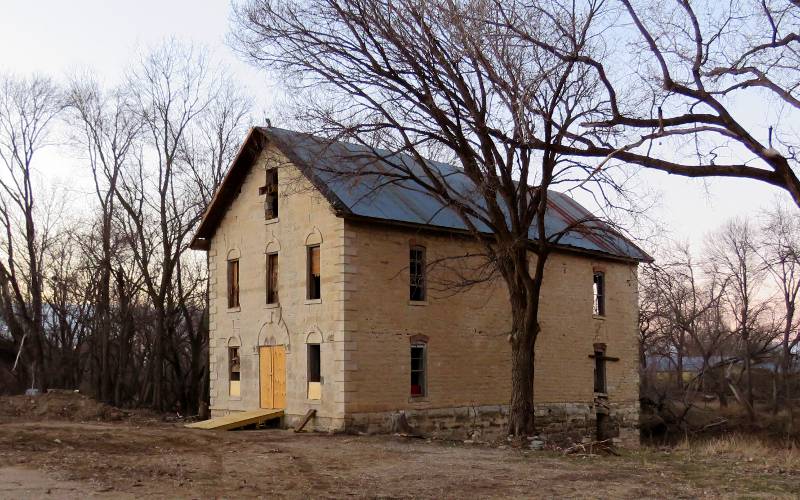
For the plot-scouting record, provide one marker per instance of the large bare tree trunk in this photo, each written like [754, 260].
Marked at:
[521, 414]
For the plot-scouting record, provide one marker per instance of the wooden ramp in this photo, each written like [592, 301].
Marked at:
[236, 420]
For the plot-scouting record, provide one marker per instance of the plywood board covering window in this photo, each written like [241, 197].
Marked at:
[418, 375]
[416, 266]
[272, 278]
[314, 372]
[314, 281]
[233, 283]
[599, 294]
[234, 373]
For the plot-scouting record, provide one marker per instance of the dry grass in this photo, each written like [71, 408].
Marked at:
[746, 449]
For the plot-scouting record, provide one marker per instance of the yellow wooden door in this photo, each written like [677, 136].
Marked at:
[265, 374]
[272, 372]
[279, 377]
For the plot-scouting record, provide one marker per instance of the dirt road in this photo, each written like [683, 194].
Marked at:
[51, 459]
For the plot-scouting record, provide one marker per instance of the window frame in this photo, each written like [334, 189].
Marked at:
[233, 274]
[422, 371]
[273, 285]
[270, 193]
[234, 367]
[599, 293]
[313, 282]
[314, 369]
[600, 369]
[417, 278]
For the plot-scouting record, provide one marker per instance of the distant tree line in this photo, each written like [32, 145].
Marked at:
[525, 97]
[732, 310]
[100, 293]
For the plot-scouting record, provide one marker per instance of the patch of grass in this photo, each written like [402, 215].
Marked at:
[737, 465]
[749, 449]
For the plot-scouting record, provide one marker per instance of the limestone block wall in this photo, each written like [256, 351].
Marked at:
[556, 422]
[468, 354]
[305, 218]
[365, 321]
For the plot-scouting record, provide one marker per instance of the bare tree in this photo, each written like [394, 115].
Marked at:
[446, 79]
[685, 301]
[170, 89]
[732, 255]
[106, 129]
[27, 108]
[209, 147]
[673, 94]
[70, 298]
[780, 251]
[191, 115]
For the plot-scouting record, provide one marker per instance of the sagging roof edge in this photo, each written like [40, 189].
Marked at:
[249, 151]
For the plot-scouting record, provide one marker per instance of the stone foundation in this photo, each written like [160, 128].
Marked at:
[559, 422]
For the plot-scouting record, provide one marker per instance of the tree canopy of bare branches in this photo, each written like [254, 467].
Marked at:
[109, 300]
[676, 78]
[436, 77]
[27, 109]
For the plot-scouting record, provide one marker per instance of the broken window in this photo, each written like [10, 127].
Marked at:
[314, 291]
[599, 290]
[233, 283]
[417, 273]
[600, 368]
[272, 278]
[418, 369]
[270, 192]
[234, 373]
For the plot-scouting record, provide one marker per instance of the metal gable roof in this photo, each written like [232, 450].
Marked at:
[373, 194]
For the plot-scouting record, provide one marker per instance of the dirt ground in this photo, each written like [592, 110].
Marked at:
[64, 457]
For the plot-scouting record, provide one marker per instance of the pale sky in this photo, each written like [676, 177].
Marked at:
[58, 37]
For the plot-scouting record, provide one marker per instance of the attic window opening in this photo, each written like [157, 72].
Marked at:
[416, 264]
[270, 192]
[599, 294]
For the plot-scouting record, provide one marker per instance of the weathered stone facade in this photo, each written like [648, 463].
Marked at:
[365, 324]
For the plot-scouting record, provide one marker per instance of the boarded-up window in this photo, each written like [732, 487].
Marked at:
[270, 192]
[233, 283]
[418, 369]
[314, 283]
[416, 264]
[598, 291]
[234, 371]
[272, 278]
